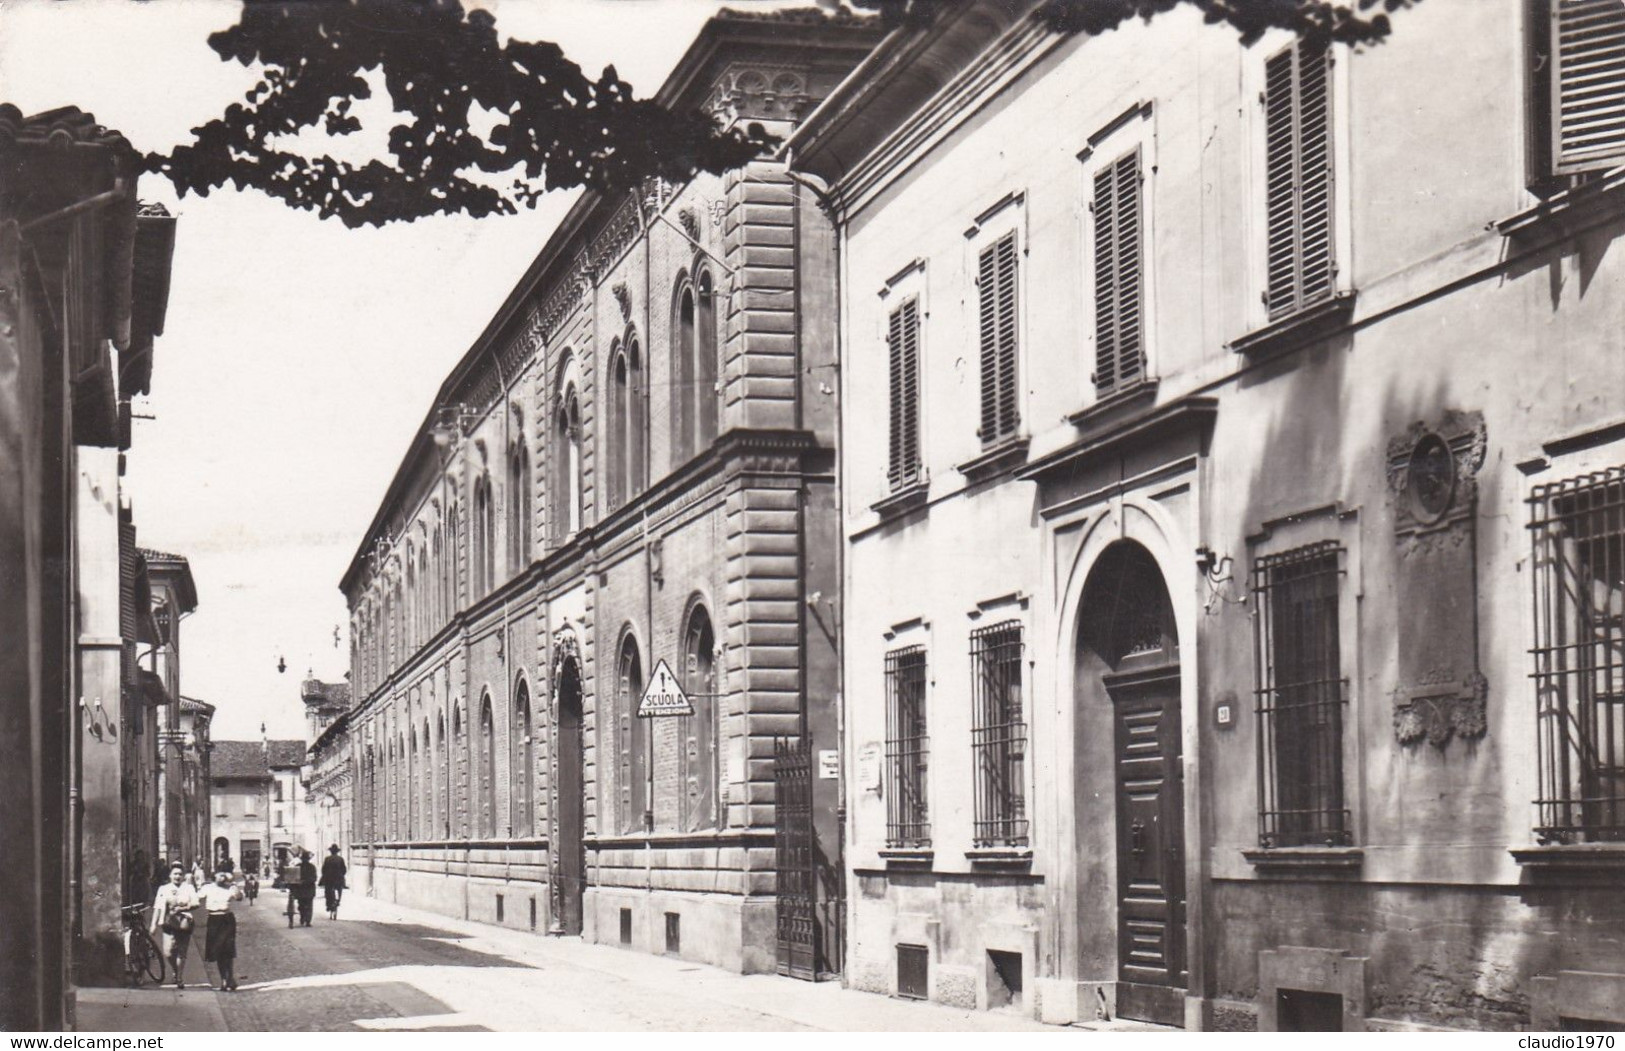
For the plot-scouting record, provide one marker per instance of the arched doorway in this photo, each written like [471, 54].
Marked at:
[572, 867]
[1128, 661]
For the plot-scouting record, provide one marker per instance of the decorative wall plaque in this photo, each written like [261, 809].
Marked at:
[690, 222]
[1433, 489]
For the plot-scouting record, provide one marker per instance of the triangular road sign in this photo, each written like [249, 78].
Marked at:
[664, 695]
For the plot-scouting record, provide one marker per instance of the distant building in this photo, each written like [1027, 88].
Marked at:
[193, 746]
[329, 769]
[173, 596]
[257, 803]
[329, 784]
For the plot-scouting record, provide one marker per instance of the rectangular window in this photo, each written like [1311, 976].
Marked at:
[1579, 582]
[996, 288]
[998, 736]
[277, 788]
[903, 344]
[913, 972]
[1300, 697]
[1585, 88]
[1298, 178]
[1119, 326]
[908, 821]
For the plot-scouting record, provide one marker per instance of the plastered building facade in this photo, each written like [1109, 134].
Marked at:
[1230, 465]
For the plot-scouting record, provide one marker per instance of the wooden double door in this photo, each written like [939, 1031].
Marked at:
[1150, 813]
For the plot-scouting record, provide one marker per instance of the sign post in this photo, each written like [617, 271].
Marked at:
[664, 695]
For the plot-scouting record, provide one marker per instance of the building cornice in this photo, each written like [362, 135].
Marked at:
[562, 273]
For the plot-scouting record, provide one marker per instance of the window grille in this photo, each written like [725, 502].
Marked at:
[996, 287]
[908, 821]
[1300, 698]
[1119, 326]
[1578, 529]
[1298, 178]
[903, 344]
[999, 736]
[1587, 85]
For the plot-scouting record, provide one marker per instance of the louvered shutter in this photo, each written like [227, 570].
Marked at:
[1588, 87]
[903, 339]
[1119, 343]
[987, 289]
[1298, 178]
[129, 566]
[996, 280]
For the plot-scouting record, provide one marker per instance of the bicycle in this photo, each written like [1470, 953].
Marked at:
[142, 956]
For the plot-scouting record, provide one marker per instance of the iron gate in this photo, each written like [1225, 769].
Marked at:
[794, 859]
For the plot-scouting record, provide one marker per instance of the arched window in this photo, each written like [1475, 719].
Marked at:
[630, 738]
[519, 523]
[425, 769]
[617, 483]
[394, 775]
[442, 804]
[699, 731]
[459, 745]
[411, 598]
[524, 772]
[438, 561]
[483, 558]
[636, 416]
[422, 603]
[487, 769]
[568, 489]
[413, 774]
[454, 601]
[705, 363]
[386, 647]
[369, 784]
[684, 437]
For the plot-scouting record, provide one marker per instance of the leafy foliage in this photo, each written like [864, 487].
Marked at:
[1317, 21]
[554, 127]
[472, 112]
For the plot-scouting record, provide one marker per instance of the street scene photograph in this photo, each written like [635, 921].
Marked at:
[1100, 518]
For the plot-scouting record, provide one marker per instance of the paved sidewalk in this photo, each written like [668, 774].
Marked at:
[777, 1003]
[149, 1009]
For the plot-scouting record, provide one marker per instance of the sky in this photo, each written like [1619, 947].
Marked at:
[298, 356]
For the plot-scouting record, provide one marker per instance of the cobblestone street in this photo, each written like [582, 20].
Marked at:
[383, 967]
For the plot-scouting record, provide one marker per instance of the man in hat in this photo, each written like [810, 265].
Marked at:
[333, 870]
[305, 890]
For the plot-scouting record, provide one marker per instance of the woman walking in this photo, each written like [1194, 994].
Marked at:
[172, 919]
[220, 939]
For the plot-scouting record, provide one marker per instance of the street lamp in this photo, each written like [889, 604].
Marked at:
[449, 422]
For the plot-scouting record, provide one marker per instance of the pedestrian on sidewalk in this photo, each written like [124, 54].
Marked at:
[333, 870]
[220, 939]
[172, 920]
[305, 889]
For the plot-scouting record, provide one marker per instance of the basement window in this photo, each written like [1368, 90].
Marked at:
[1003, 978]
[913, 972]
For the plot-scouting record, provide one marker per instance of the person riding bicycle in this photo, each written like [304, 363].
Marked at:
[172, 910]
[333, 870]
